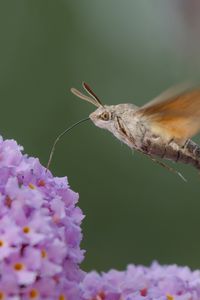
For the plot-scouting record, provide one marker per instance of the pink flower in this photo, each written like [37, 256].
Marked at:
[143, 283]
[40, 230]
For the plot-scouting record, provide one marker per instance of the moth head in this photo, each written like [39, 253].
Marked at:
[102, 116]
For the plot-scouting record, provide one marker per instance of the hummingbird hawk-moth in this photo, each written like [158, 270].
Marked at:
[162, 128]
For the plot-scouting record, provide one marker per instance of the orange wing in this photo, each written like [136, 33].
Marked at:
[176, 118]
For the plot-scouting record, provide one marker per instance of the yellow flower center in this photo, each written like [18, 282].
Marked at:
[62, 297]
[1, 245]
[169, 297]
[26, 229]
[2, 295]
[32, 187]
[18, 266]
[8, 201]
[43, 253]
[100, 296]
[33, 294]
[41, 183]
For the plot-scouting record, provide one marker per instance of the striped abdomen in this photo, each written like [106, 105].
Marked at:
[188, 154]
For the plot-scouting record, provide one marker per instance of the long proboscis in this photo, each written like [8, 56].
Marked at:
[60, 136]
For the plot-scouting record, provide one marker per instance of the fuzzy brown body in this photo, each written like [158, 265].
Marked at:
[154, 146]
[135, 132]
[160, 129]
[188, 154]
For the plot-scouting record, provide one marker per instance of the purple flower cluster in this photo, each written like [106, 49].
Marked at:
[40, 238]
[40, 230]
[142, 283]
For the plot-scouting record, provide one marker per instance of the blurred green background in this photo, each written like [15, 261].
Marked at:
[128, 51]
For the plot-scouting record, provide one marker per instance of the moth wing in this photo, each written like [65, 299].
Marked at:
[177, 117]
[171, 92]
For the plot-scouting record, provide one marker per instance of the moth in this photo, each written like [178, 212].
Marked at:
[161, 129]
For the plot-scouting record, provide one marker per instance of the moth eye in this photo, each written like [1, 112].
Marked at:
[105, 116]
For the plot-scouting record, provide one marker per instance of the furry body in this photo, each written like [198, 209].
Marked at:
[133, 129]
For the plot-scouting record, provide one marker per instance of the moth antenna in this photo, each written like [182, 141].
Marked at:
[82, 96]
[88, 89]
[59, 137]
[168, 168]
